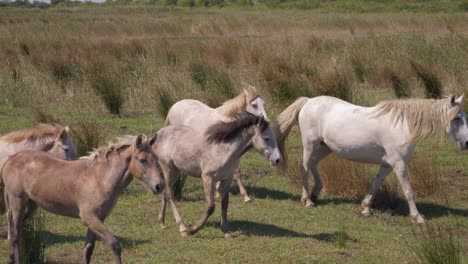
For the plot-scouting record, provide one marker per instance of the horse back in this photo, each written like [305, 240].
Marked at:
[52, 183]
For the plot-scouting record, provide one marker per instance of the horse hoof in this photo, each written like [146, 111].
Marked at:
[247, 200]
[314, 198]
[163, 226]
[419, 219]
[228, 235]
[366, 212]
[309, 204]
[184, 233]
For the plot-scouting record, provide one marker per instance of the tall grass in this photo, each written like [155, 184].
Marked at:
[432, 83]
[86, 136]
[437, 245]
[110, 91]
[33, 242]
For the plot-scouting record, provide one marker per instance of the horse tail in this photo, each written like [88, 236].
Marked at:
[166, 121]
[284, 122]
[2, 195]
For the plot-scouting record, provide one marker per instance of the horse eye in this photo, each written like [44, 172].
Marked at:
[266, 139]
[254, 106]
[66, 149]
[142, 160]
[457, 118]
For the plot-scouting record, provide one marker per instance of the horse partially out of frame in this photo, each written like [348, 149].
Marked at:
[87, 188]
[385, 134]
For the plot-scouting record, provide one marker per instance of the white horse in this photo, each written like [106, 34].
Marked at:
[385, 134]
[197, 115]
[213, 155]
[41, 137]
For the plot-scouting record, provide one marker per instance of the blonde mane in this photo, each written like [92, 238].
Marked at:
[423, 116]
[237, 104]
[40, 132]
[104, 151]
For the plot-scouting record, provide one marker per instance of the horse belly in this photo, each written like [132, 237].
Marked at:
[56, 199]
[58, 206]
[368, 153]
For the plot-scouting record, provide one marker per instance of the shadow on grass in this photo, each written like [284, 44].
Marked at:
[323, 201]
[52, 239]
[428, 209]
[264, 193]
[259, 229]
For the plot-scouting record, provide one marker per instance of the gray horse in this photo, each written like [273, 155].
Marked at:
[213, 155]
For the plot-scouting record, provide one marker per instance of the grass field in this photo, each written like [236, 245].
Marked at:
[121, 68]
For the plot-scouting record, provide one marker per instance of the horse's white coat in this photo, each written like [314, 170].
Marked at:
[357, 133]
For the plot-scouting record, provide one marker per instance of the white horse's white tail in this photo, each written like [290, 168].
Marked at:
[166, 122]
[284, 122]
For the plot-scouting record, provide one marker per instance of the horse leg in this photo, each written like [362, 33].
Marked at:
[242, 190]
[30, 209]
[317, 156]
[170, 177]
[225, 185]
[304, 167]
[17, 207]
[97, 227]
[164, 196]
[384, 170]
[89, 245]
[401, 170]
[209, 188]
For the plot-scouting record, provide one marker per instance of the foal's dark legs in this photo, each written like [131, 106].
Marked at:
[225, 185]
[89, 245]
[97, 227]
[17, 207]
[209, 188]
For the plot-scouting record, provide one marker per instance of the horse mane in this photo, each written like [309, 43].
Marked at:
[423, 116]
[40, 132]
[237, 104]
[227, 131]
[112, 146]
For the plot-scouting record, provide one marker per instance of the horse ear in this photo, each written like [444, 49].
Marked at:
[139, 141]
[459, 100]
[153, 139]
[63, 135]
[246, 93]
[452, 99]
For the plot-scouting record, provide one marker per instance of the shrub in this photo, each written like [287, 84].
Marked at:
[33, 242]
[164, 101]
[220, 90]
[432, 83]
[110, 92]
[86, 136]
[360, 69]
[426, 179]
[43, 117]
[436, 245]
[179, 187]
[64, 71]
[199, 72]
[335, 84]
[340, 238]
[284, 81]
[186, 3]
[399, 83]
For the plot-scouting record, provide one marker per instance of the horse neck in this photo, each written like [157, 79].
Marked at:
[114, 174]
[232, 106]
[43, 144]
[243, 143]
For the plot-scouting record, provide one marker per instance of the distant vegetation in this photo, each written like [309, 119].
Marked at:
[116, 68]
[360, 6]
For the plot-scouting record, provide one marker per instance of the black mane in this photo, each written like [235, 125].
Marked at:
[228, 131]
